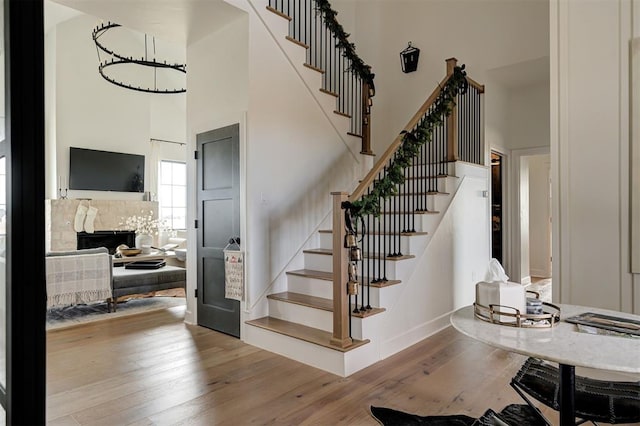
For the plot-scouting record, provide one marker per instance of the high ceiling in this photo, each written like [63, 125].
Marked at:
[180, 21]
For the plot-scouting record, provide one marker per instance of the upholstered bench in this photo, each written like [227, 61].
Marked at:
[138, 281]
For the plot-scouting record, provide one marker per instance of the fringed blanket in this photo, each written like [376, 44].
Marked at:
[78, 279]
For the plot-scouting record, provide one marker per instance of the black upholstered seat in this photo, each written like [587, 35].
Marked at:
[595, 400]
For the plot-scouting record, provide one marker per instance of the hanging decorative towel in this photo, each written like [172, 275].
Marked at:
[233, 270]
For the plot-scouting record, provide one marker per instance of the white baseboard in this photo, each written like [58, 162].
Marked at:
[539, 273]
[414, 335]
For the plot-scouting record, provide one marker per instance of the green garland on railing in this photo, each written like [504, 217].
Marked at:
[369, 204]
[349, 49]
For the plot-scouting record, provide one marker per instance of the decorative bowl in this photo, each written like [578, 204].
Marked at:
[181, 254]
[130, 251]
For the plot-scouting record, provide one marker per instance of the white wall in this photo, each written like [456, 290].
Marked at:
[295, 159]
[84, 110]
[440, 29]
[528, 116]
[590, 152]
[444, 276]
[218, 96]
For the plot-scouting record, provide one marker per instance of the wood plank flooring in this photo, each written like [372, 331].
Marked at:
[152, 369]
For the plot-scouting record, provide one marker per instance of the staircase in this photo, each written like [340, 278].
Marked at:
[316, 321]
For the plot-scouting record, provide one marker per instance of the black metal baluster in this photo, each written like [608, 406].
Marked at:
[461, 150]
[394, 223]
[383, 232]
[445, 145]
[478, 129]
[467, 122]
[472, 124]
[382, 239]
[463, 122]
[414, 197]
[460, 140]
[425, 173]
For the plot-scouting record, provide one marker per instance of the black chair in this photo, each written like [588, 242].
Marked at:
[595, 400]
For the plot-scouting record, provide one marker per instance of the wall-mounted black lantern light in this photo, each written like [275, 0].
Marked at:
[409, 59]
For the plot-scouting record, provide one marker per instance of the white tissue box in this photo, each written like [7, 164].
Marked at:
[508, 294]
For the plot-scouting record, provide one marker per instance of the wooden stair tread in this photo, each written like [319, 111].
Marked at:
[326, 252]
[311, 67]
[417, 212]
[344, 114]
[387, 283]
[413, 194]
[355, 135]
[319, 303]
[328, 276]
[302, 332]
[367, 312]
[432, 177]
[298, 42]
[329, 252]
[310, 273]
[329, 92]
[404, 234]
[304, 300]
[280, 14]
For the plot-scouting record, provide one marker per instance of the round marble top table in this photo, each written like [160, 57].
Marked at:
[562, 344]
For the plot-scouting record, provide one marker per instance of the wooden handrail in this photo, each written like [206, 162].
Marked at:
[384, 158]
[475, 84]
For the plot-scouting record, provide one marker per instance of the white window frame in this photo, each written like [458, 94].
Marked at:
[171, 205]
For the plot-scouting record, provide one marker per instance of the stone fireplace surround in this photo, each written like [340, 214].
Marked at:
[60, 215]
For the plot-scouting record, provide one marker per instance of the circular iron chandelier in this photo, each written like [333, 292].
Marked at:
[115, 59]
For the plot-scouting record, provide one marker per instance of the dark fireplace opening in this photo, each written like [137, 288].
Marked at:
[108, 239]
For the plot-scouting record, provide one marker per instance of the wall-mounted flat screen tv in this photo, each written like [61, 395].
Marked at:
[90, 169]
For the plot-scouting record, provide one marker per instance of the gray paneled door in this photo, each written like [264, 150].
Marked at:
[218, 221]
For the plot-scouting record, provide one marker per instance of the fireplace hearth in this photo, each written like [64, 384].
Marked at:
[108, 239]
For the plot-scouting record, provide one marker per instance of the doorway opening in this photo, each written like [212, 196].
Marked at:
[497, 169]
[535, 178]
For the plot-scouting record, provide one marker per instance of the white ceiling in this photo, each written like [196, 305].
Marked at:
[180, 21]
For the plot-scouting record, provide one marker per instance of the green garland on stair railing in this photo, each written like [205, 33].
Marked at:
[369, 204]
[349, 49]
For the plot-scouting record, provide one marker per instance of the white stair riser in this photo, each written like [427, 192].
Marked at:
[369, 326]
[292, 312]
[307, 353]
[318, 262]
[408, 244]
[310, 286]
[379, 296]
[336, 362]
[318, 318]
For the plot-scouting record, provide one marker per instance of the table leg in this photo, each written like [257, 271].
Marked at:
[567, 395]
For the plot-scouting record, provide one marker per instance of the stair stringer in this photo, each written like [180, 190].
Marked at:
[306, 155]
[444, 276]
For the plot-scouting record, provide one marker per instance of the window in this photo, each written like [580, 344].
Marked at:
[173, 194]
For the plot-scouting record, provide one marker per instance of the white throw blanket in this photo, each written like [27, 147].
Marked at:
[78, 279]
